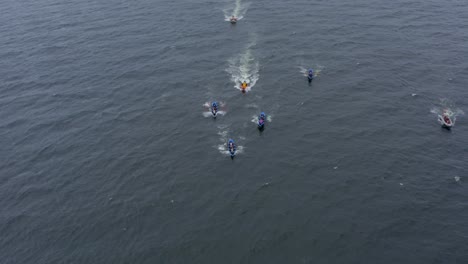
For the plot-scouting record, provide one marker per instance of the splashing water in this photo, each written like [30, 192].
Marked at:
[317, 70]
[207, 112]
[244, 68]
[238, 11]
[448, 108]
[222, 147]
[255, 118]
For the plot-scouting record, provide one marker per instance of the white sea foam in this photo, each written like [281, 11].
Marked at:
[244, 67]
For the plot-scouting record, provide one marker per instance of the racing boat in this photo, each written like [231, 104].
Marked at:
[233, 20]
[243, 86]
[310, 75]
[261, 121]
[261, 124]
[214, 109]
[231, 147]
[445, 120]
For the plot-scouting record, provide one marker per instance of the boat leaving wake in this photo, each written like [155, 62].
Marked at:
[317, 70]
[238, 11]
[448, 108]
[207, 112]
[255, 119]
[244, 68]
[222, 147]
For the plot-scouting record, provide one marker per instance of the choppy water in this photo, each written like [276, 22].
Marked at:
[107, 156]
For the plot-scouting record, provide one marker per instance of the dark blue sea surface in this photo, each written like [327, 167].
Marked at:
[109, 155]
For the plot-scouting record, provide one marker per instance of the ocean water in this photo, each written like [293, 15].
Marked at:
[108, 154]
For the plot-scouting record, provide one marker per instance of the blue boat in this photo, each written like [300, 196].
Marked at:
[232, 148]
[261, 121]
[214, 109]
[310, 75]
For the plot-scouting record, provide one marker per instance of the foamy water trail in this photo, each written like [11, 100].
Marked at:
[238, 10]
[244, 68]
